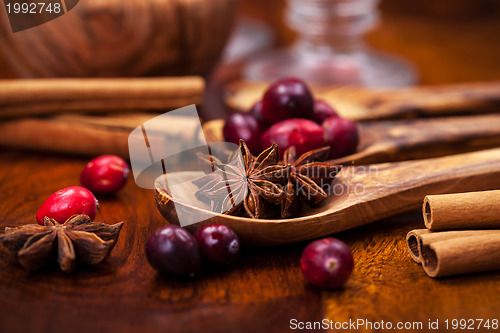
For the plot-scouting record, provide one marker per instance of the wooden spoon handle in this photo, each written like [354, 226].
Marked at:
[381, 190]
[86, 134]
[368, 104]
[400, 140]
[430, 101]
[364, 194]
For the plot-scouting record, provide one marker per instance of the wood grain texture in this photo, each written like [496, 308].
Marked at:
[82, 134]
[359, 195]
[362, 104]
[399, 140]
[123, 39]
[265, 290]
[261, 293]
[125, 293]
[388, 285]
[32, 97]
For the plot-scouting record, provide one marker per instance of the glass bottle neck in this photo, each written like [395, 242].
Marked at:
[331, 26]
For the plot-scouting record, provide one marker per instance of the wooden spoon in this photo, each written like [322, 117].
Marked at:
[363, 104]
[364, 194]
[400, 140]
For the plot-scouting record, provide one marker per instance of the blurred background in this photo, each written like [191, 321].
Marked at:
[447, 40]
[438, 42]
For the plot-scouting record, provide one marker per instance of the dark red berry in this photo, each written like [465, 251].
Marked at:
[323, 111]
[67, 202]
[174, 252]
[243, 126]
[287, 98]
[341, 135]
[105, 174]
[219, 244]
[256, 112]
[327, 263]
[304, 134]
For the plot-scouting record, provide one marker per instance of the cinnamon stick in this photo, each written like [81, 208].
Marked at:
[417, 238]
[454, 252]
[412, 241]
[48, 96]
[474, 210]
[80, 134]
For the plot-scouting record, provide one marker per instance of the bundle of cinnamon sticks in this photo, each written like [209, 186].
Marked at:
[462, 234]
[87, 116]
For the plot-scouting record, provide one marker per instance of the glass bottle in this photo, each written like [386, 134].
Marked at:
[329, 48]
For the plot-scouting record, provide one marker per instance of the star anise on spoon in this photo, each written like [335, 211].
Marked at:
[308, 174]
[78, 238]
[246, 181]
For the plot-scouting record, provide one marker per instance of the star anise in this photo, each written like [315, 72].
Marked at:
[35, 245]
[246, 181]
[308, 174]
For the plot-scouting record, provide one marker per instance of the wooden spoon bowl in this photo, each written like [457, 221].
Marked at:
[363, 194]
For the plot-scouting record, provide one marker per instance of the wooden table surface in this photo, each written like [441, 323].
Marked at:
[265, 289]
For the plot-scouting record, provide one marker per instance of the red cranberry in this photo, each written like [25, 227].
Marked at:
[342, 136]
[174, 252]
[323, 111]
[243, 126]
[327, 263]
[304, 134]
[287, 98]
[256, 112]
[67, 202]
[105, 174]
[219, 244]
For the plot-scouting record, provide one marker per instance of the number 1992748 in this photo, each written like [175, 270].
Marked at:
[33, 8]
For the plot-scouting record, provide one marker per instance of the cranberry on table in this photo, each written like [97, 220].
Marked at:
[327, 263]
[323, 111]
[243, 126]
[105, 174]
[174, 252]
[304, 134]
[219, 244]
[287, 98]
[67, 202]
[341, 135]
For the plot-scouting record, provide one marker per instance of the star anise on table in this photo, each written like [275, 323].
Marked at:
[78, 238]
[246, 181]
[308, 174]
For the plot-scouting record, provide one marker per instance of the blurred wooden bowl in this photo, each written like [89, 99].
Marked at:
[116, 38]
